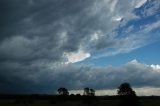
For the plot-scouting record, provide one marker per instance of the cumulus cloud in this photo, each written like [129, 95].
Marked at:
[42, 78]
[155, 67]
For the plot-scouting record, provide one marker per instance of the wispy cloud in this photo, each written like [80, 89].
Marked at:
[139, 3]
[151, 26]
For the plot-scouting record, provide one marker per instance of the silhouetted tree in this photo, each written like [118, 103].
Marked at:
[89, 98]
[92, 92]
[127, 95]
[125, 89]
[63, 91]
[89, 92]
[86, 91]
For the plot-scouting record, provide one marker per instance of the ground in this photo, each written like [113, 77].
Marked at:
[37, 100]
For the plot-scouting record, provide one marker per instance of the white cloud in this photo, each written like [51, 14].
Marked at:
[76, 56]
[134, 61]
[155, 67]
[139, 3]
[117, 18]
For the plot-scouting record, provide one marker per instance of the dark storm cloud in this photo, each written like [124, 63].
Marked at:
[48, 79]
[36, 30]
[36, 34]
[78, 19]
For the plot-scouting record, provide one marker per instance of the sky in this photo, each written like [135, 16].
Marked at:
[47, 44]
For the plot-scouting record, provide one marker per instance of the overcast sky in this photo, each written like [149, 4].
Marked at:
[47, 44]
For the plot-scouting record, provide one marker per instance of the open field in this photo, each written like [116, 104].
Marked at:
[71, 101]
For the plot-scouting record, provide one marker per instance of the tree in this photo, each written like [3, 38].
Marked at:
[125, 89]
[89, 96]
[92, 92]
[89, 92]
[86, 91]
[127, 95]
[63, 91]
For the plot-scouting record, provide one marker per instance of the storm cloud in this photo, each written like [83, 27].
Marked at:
[38, 38]
[18, 78]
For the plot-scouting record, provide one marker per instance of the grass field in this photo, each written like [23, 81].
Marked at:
[71, 101]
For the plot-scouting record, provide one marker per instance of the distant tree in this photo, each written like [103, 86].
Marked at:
[92, 92]
[86, 91]
[63, 91]
[125, 89]
[89, 92]
[127, 95]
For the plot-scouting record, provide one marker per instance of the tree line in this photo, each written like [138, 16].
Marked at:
[87, 91]
[124, 90]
